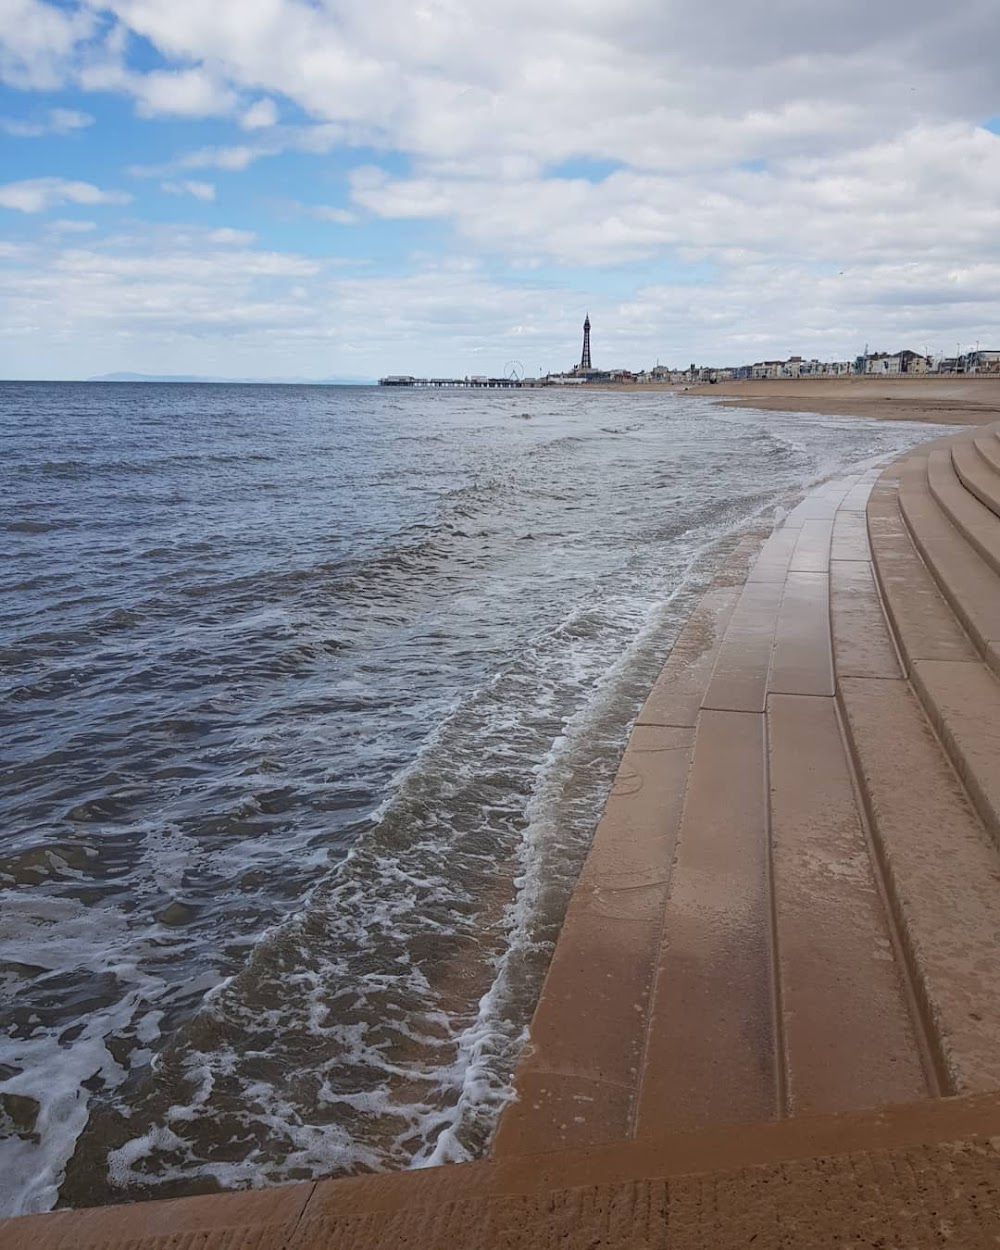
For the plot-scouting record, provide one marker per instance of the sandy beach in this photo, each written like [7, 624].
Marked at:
[940, 401]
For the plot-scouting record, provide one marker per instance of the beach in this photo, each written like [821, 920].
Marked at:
[939, 401]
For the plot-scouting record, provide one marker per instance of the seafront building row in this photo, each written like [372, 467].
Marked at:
[868, 364]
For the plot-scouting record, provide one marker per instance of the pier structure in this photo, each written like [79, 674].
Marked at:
[772, 1017]
[401, 379]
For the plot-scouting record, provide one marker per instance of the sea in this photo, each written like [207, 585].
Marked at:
[310, 699]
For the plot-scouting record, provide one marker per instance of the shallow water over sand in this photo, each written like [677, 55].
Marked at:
[311, 697]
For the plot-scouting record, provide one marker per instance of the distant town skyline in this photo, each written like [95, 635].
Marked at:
[267, 188]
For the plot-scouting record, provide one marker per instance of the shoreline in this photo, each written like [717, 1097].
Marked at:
[934, 401]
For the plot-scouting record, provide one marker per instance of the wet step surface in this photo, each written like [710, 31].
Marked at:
[830, 893]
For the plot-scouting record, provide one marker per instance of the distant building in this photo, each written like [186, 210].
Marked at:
[980, 362]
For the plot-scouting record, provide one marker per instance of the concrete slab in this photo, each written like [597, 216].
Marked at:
[710, 1054]
[857, 498]
[680, 687]
[802, 660]
[874, 1200]
[739, 679]
[812, 551]
[844, 1135]
[849, 1040]
[633, 845]
[850, 537]
[228, 1221]
[772, 563]
[862, 644]
[898, 1174]
[578, 1077]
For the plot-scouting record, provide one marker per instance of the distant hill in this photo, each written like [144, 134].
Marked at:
[183, 377]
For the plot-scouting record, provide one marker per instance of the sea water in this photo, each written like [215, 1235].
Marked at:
[311, 698]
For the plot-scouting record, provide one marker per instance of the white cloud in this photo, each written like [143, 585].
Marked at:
[70, 226]
[35, 195]
[229, 237]
[260, 115]
[54, 122]
[200, 190]
[819, 172]
[38, 42]
[229, 158]
[339, 216]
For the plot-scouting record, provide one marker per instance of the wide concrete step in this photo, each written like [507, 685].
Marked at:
[927, 756]
[970, 516]
[924, 626]
[968, 583]
[987, 444]
[962, 700]
[960, 695]
[978, 475]
[913, 1175]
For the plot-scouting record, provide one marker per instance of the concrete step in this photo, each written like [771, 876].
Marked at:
[942, 873]
[897, 1176]
[578, 1078]
[924, 627]
[976, 474]
[849, 1039]
[987, 444]
[973, 519]
[962, 700]
[710, 1054]
[969, 585]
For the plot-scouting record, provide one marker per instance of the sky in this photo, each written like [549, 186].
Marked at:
[348, 188]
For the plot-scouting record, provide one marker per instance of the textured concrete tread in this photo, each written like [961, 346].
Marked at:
[967, 582]
[842, 995]
[972, 518]
[916, 1198]
[963, 702]
[977, 476]
[678, 690]
[908, 1176]
[739, 679]
[988, 446]
[862, 644]
[943, 874]
[578, 1077]
[802, 659]
[924, 626]
[710, 1049]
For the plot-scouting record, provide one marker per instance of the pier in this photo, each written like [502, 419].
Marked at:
[400, 379]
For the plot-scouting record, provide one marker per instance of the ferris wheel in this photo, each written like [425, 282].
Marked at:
[513, 371]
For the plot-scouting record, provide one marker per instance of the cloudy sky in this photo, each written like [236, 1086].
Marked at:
[316, 188]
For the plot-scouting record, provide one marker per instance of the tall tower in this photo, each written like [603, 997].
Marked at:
[585, 358]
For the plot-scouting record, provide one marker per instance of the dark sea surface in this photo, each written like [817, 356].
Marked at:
[310, 701]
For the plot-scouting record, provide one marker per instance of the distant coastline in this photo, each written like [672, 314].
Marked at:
[195, 378]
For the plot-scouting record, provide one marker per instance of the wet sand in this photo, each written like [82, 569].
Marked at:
[940, 401]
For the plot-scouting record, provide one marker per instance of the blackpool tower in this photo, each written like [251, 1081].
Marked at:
[585, 358]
